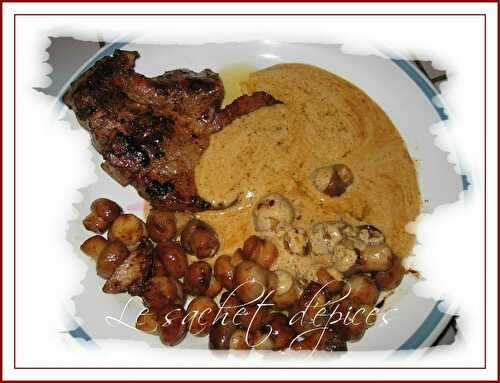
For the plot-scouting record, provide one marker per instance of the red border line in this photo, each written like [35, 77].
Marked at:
[243, 15]
[485, 209]
[263, 1]
[15, 182]
[250, 14]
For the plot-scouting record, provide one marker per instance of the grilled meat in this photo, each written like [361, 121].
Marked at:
[153, 131]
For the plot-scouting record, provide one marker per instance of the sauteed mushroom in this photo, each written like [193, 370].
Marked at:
[260, 251]
[129, 230]
[161, 225]
[93, 246]
[200, 239]
[391, 278]
[197, 278]
[103, 212]
[173, 258]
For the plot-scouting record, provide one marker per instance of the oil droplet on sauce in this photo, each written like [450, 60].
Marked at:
[232, 76]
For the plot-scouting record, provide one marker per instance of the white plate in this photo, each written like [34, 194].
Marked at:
[397, 86]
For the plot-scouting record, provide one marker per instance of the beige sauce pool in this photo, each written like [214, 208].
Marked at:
[324, 120]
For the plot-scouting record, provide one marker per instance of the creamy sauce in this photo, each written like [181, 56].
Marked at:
[323, 120]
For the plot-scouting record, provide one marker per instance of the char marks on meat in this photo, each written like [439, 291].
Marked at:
[153, 131]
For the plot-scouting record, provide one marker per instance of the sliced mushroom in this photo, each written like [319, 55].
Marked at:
[131, 273]
[325, 236]
[296, 241]
[371, 235]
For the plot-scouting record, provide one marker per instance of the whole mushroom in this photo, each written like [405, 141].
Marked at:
[286, 292]
[197, 278]
[161, 225]
[261, 251]
[251, 281]
[93, 246]
[200, 239]
[362, 289]
[332, 180]
[129, 230]
[391, 278]
[224, 268]
[103, 212]
[273, 212]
